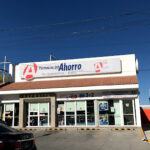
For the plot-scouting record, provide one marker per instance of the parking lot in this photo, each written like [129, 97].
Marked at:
[104, 139]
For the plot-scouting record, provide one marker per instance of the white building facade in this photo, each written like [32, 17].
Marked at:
[88, 92]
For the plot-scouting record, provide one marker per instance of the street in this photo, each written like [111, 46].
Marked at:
[103, 139]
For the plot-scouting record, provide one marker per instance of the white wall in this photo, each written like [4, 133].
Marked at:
[127, 61]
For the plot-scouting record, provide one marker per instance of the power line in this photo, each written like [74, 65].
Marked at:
[144, 70]
[143, 12]
[120, 27]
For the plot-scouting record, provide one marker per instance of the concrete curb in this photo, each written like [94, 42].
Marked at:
[47, 129]
[123, 129]
[55, 129]
[26, 129]
[85, 129]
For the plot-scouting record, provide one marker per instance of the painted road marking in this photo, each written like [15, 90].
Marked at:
[101, 133]
[142, 133]
[144, 136]
[148, 141]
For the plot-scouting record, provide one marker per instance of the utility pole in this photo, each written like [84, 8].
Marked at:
[4, 69]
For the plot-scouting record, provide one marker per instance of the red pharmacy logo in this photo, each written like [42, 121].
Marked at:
[98, 66]
[30, 71]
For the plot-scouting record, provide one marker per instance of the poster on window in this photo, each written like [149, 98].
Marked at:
[43, 107]
[103, 119]
[103, 106]
[81, 106]
[70, 107]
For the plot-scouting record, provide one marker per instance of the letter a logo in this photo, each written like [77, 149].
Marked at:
[30, 71]
[98, 66]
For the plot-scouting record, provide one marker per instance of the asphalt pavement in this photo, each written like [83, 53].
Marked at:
[103, 139]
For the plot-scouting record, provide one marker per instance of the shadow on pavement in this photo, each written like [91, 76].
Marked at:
[146, 127]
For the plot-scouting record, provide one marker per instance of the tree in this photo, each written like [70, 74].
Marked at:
[1, 78]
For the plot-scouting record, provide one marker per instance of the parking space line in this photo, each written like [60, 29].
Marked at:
[144, 136]
[101, 132]
[142, 133]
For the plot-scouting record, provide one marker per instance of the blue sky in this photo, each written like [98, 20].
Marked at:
[31, 30]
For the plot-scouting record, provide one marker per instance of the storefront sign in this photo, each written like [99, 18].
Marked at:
[68, 68]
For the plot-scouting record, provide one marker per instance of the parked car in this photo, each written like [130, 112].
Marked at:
[11, 139]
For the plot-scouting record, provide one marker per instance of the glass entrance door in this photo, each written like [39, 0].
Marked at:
[43, 114]
[39, 114]
[80, 109]
[70, 113]
[33, 114]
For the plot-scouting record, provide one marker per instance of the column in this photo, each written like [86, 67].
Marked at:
[21, 113]
[121, 112]
[53, 112]
[96, 113]
[137, 112]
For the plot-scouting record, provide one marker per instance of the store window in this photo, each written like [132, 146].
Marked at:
[128, 112]
[60, 112]
[11, 114]
[1, 112]
[76, 113]
[109, 112]
[16, 114]
[70, 113]
[39, 114]
[80, 108]
[90, 113]
[116, 110]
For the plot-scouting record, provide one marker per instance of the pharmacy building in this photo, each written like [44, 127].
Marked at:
[87, 92]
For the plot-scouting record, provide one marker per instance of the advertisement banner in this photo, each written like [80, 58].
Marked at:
[69, 68]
